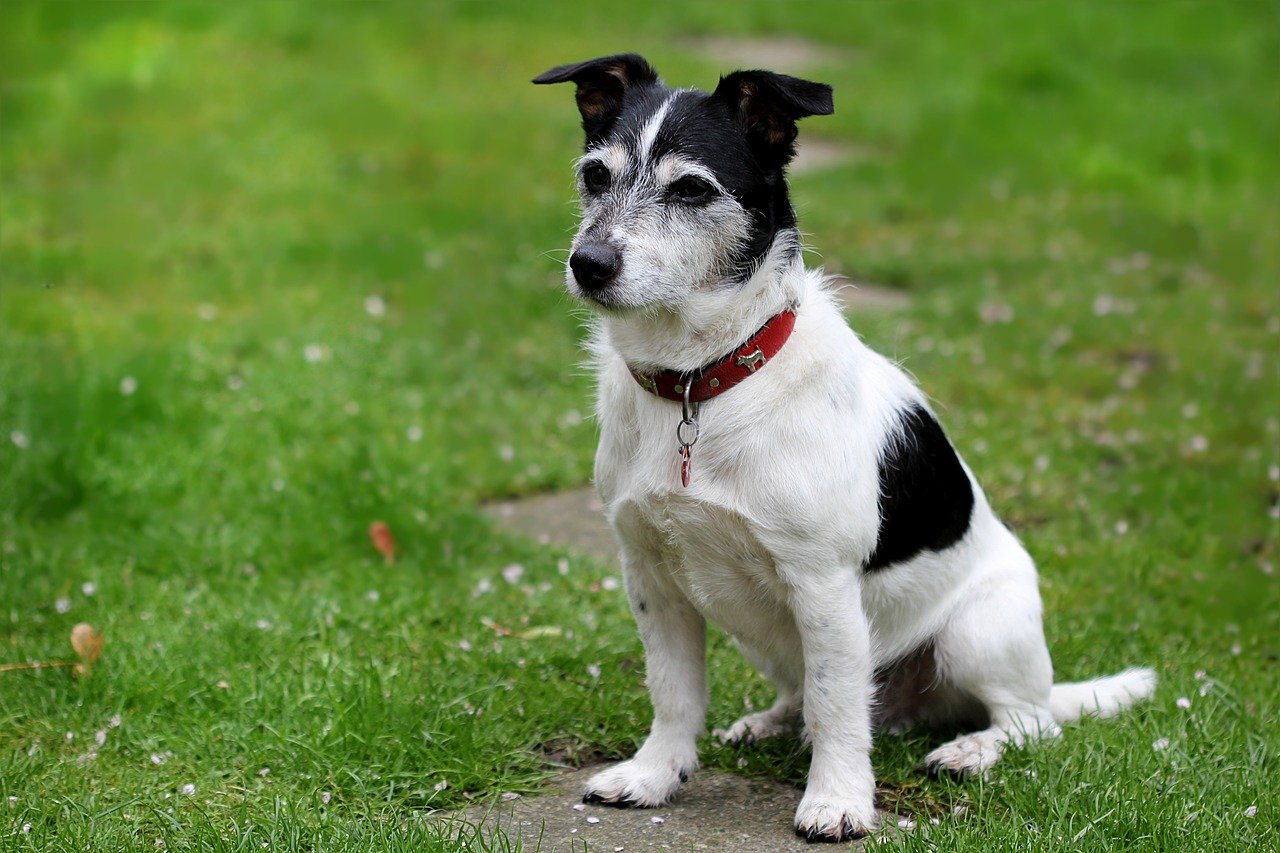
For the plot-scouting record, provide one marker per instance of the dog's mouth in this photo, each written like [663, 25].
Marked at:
[606, 300]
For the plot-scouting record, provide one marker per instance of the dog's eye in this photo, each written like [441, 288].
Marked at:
[690, 190]
[596, 178]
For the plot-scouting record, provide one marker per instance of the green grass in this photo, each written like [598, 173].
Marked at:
[193, 195]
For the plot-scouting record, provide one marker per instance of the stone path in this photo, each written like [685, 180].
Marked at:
[573, 519]
[790, 55]
[714, 811]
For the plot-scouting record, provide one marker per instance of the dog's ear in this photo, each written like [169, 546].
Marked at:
[768, 106]
[602, 85]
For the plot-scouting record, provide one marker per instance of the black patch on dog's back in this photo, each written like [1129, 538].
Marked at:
[926, 500]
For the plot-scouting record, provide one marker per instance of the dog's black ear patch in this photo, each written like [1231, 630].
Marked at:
[768, 105]
[926, 500]
[602, 85]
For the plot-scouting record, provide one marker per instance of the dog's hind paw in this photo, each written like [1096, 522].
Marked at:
[835, 819]
[756, 727]
[968, 755]
[634, 785]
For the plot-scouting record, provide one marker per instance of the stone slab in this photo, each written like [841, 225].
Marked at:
[713, 811]
[572, 519]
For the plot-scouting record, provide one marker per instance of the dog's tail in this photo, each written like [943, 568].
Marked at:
[1101, 697]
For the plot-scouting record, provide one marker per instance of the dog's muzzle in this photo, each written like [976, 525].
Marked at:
[594, 265]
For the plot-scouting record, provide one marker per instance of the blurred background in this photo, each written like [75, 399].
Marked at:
[271, 272]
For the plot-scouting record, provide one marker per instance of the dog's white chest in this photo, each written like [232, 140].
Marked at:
[713, 554]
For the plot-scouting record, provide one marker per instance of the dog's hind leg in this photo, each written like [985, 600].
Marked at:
[783, 664]
[674, 637]
[993, 649]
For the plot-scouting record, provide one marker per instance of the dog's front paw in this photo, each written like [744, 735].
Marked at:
[756, 727]
[635, 784]
[835, 818]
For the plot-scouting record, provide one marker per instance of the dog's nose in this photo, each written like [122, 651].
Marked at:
[595, 264]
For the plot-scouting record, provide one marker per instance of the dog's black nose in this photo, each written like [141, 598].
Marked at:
[595, 264]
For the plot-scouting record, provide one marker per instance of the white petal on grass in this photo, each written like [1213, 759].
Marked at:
[375, 306]
[189, 789]
[1252, 811]
[441, 785]
[1160, 744]
[465, 645]
[562, 566]
[1183, 702]
[88, 587]
[593, 819]
[657, 821]
[414, 433]
[325, 797]
[593, 670]
[207, 311]
[62, 604]
[128, 385]
[508, 796]
[19, 439]
[506, 453]
[313, 353]
[372, 595]
[512, 573]
[579, 807]
[100, 737]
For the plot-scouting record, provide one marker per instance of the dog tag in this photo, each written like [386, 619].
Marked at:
[684, 465]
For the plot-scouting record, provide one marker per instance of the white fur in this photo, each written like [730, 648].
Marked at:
[769, 539]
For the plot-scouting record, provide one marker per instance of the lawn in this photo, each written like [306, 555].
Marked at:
[272, 272]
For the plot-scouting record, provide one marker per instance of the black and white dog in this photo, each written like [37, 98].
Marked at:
[765, 470]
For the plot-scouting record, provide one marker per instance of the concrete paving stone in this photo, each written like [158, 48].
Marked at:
[713, 811]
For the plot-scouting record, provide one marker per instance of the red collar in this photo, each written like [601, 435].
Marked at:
[721, 375]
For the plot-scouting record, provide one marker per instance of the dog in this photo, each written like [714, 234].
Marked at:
[765, 470]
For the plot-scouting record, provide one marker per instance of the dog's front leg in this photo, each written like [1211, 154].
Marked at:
[839, 800]
[674, 637]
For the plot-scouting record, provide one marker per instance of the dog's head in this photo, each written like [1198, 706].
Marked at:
[682, 190]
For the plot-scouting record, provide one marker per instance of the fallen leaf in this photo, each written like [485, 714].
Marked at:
[87, 642]
[495, 627]
[383, 541]
[540, 631]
